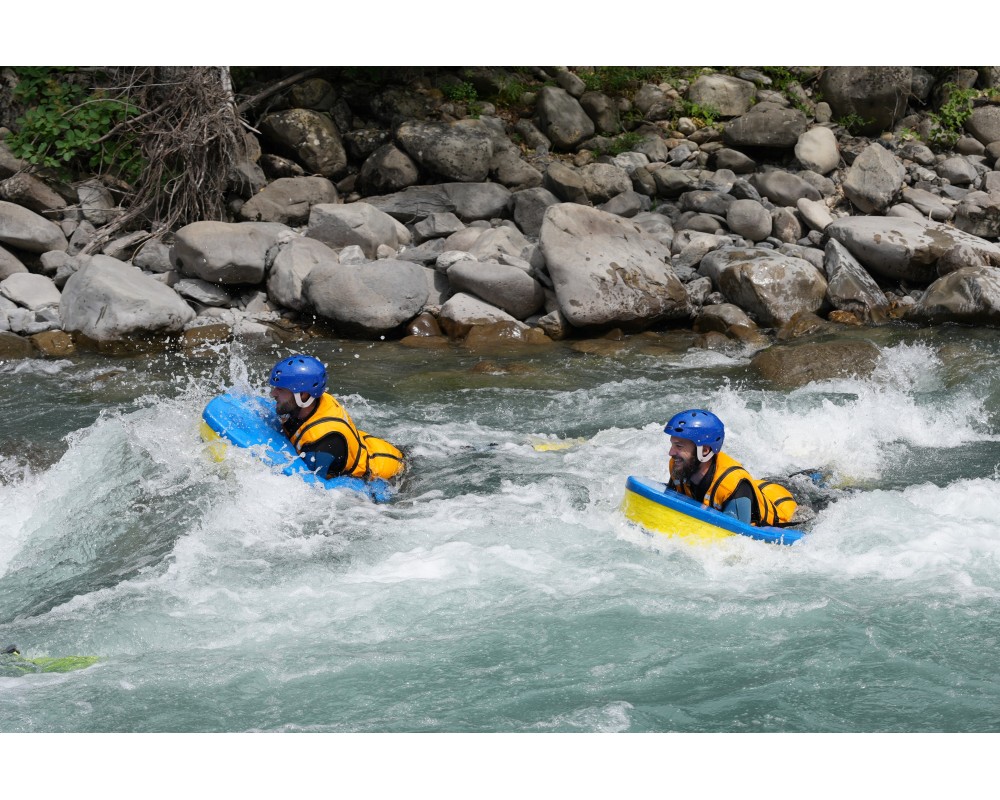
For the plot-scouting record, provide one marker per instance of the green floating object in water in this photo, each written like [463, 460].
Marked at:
[13, 665]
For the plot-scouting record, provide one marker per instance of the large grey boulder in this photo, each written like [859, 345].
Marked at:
[462, 312]
[876, 96]
[359, 223]
[849, 286]
[292, 265]
[980, 217]
[455, 151]
[368, 299]
[492, 244]
[728, 95]
[817, 150]
[30, 291]
[388, 169]
[605, 270]
[108, 300]
[874, 179]
[26, 230]
[529, 208]
[749, 219]
[9, 264]
[601, 182]
[288, 200]
[603, 111]
[984, 123]
[28, 191]
[508, 288]
[770, 286]
[783, 188]
[226, 252]
[970, 295]
[766, 125]
[905, 249]
[467, 201]
[562, 119]
[308, 136]
[957, 171]
[793, 365]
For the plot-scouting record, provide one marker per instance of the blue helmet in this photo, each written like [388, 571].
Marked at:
[299, 373]
[698, 426]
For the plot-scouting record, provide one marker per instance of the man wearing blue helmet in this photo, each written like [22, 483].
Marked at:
[321, 429]
[700, 470]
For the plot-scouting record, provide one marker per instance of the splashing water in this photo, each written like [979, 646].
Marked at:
[502, 590]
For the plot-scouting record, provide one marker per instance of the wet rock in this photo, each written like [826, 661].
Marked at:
[55, 344]
[849, 286]
[463, 311]
[790, 366]
[14, 347]
[970, 295]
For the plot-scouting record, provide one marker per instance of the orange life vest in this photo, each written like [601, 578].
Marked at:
[367, 455]
[773, 503]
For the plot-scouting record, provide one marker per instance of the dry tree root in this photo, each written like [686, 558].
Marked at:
[189, 133]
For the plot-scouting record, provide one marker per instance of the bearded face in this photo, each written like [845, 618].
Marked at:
[685, 461]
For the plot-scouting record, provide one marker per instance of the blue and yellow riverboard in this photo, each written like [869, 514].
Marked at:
[249, 421]
[657, 508]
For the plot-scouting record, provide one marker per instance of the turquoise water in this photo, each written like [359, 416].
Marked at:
[502, 591]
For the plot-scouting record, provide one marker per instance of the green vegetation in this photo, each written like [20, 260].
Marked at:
[853, 123]
[622, 143]
[705, 114]
[621, 80]
[460, 92]
[69, 125]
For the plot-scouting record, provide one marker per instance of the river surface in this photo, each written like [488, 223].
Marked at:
[502, 591]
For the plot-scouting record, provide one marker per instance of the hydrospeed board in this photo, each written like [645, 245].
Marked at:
[655, 507]
[251, 421]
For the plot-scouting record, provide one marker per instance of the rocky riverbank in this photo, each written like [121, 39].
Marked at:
[713, 203]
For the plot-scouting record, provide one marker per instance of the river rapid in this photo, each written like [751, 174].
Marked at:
[502, 591]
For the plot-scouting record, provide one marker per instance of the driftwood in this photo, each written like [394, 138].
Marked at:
[190, 135]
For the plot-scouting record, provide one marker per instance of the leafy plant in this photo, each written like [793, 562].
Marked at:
[853, 123]
[706, 114]
[622, 143]
[69, 125]
[619, 80]
[460, 92]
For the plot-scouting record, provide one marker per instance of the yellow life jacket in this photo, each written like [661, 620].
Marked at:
[367, 456]
[773, 503]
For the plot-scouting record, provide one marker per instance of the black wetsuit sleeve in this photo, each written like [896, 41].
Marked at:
[329, 452]
[745, 489]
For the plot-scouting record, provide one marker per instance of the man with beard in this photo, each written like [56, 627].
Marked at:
[321, 429]
[700, 470]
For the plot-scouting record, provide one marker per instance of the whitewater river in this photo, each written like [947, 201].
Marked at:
[502, 591]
